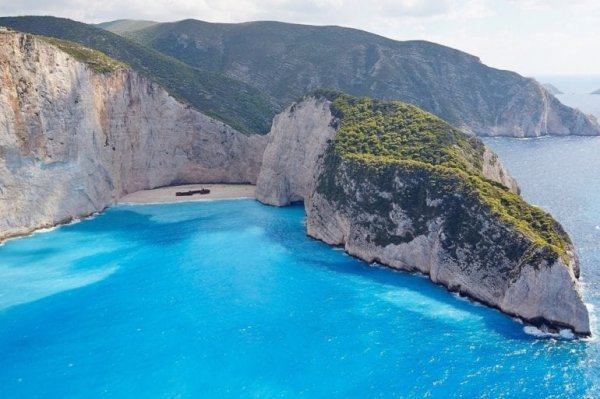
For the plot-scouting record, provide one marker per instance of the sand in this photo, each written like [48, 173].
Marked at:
[167, 194]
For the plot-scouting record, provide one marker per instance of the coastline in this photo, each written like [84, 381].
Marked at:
[165, 195]
[162, 195]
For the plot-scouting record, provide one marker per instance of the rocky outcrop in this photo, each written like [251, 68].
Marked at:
[494, 170]
[297, 139]
[452, 238]
[552, 89]
[427, 218]
[73, 141]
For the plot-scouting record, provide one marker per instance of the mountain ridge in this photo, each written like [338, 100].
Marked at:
[288, 60]
[120, 26]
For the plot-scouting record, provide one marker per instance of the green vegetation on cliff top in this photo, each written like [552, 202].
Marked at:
[383, 133]
[236, 103]
[97, 60]
[121, 26]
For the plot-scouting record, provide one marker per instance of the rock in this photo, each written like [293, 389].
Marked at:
[73, 141]
[551, 89]
[467, 233]
[298, 137]
[494, 170]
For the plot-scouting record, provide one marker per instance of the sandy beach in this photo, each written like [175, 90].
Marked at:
[167, 194]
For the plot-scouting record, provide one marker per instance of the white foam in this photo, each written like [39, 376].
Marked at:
[564, 333]
[593, 322]
[426, 306]
[50, 229]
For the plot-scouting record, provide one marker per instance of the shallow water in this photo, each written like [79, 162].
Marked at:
[231, 299]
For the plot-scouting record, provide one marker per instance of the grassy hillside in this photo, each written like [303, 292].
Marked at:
[121, 26]
[287, 61]
[97, 60]
[380, 137]
[236, 103]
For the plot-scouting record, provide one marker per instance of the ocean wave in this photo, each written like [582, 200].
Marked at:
[564, 333]
[44, 230]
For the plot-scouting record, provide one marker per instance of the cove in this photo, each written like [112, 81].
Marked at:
[231, 299]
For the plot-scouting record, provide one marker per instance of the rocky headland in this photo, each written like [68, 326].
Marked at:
[398, 186]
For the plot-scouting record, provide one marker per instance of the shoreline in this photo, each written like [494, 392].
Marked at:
[161, 195]
[166, 195]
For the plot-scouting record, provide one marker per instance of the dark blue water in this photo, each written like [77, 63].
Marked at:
[230, 299]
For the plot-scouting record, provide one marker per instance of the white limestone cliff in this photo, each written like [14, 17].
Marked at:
[298, 137]
[542, 292]
[73, 141]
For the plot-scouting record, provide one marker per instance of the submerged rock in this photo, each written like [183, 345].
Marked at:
[396, 185]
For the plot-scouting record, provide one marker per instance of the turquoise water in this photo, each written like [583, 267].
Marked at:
[231, 299]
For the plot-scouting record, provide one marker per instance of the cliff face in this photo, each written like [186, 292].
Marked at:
[452, 238]
[466, 232]
[73, 141]
[297, 139]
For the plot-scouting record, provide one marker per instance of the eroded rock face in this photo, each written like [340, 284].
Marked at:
[73, 141]
[452, 238]
[395, 215]
[298, 137]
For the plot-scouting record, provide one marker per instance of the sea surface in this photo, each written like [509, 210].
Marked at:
[576, 91]
[230, 299]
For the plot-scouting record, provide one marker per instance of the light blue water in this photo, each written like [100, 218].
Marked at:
[230, 299]
[576, 91]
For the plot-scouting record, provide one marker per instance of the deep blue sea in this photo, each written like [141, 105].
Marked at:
[230, 299]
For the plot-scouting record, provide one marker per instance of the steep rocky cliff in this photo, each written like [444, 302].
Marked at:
[398, 186]
[73, 141]
[299, 136]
